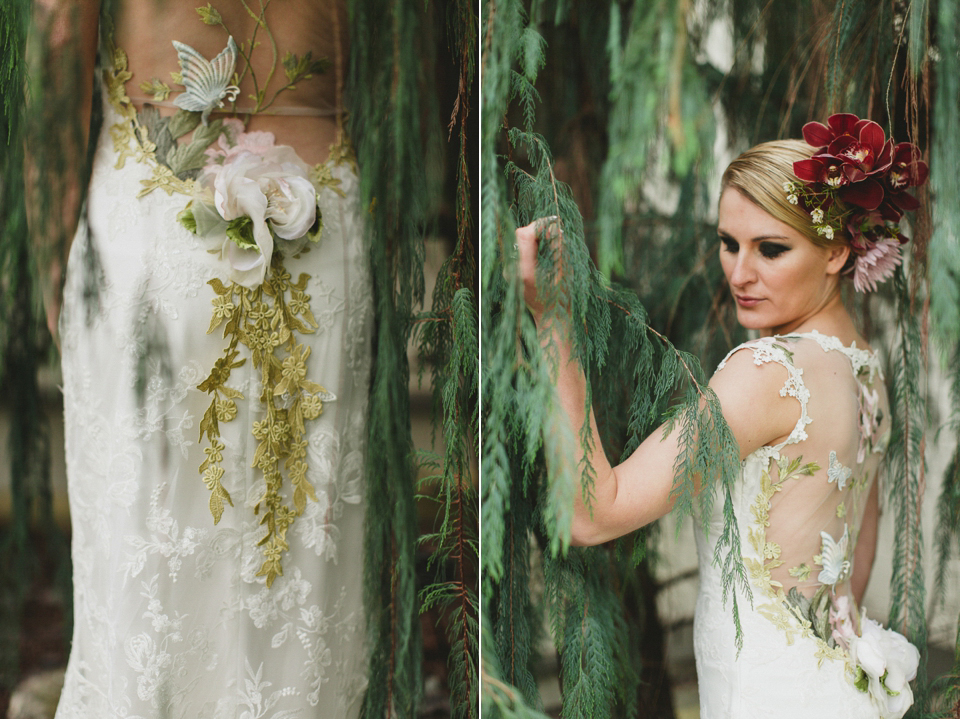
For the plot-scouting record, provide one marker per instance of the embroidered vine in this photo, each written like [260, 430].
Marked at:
[790, 612]
[266, 321]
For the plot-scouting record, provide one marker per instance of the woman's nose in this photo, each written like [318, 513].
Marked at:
[744, 271]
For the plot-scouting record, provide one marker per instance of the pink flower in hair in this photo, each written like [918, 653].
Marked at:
[876, 264]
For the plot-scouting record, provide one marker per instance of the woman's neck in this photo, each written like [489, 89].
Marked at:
[830, 318]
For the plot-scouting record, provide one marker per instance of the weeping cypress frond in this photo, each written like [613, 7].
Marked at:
[385, 120]
[448, 340]
[529, 475]
[906, 470]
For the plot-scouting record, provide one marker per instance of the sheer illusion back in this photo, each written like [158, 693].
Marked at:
[800, 506]
[314, 33]
[816, 510]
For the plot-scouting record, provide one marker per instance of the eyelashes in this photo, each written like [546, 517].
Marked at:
[769, 250]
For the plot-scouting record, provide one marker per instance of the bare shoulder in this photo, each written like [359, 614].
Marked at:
[748, 385]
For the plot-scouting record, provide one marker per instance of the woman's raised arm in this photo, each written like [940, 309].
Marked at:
[638, 491]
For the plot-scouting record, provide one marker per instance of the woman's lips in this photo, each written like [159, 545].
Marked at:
[745, 301]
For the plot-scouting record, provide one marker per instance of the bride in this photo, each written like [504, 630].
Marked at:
[216, 352]
[807, 405]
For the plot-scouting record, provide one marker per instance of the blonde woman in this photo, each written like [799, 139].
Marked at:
[807, 405]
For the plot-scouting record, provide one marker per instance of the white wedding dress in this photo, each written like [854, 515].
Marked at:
[799, 506]
[173, 618]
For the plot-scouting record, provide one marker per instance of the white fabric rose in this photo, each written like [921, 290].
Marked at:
[265, 183]
[889, 662]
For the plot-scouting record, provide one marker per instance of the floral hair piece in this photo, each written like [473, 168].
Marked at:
[857, 180]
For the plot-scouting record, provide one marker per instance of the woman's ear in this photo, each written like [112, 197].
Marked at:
[837, 257]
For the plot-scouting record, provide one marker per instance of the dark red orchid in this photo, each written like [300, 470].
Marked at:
[866, 169]
[819, 135]
[907, 169]
[856, 164]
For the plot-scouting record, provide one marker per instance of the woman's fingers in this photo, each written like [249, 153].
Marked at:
[528, 239]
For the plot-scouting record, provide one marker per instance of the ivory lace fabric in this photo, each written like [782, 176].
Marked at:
[799, 506]
[171, 617]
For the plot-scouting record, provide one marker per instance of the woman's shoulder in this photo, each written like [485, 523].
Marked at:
[759, 388]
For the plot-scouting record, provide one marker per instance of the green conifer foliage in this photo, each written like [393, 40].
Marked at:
[632, 99]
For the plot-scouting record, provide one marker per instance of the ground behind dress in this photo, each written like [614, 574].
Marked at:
[173, 617]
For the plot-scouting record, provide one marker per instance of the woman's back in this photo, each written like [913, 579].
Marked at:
[145, 29]
[801, 506]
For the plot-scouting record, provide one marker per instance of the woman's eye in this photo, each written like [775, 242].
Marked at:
[729, 245]
[772, 249]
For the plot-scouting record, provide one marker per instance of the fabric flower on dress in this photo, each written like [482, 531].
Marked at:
[842, 621]
[886, 662]
[250, 194]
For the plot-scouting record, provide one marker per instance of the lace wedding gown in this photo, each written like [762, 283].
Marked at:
[177, 615]
[799, 507]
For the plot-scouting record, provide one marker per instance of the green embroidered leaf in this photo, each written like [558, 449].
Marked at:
[209, 15]
[240, 231]
[156, 88]
[183, 122]
[187, 160]
[157, 132]
[185, 217]
[302, 68]
[862, 682]
[208, 425]
[316, 230]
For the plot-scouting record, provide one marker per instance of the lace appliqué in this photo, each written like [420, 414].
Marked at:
[265, 320]
[770, 349]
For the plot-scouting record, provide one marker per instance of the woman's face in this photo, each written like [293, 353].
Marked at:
[778, 278]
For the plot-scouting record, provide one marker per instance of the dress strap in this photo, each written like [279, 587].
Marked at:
[770, 349]
[860, 359]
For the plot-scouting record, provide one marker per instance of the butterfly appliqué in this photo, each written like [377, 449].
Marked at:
[833, 558]
[206, 81]
[836, 472]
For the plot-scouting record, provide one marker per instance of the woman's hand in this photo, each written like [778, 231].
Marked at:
[528, 251]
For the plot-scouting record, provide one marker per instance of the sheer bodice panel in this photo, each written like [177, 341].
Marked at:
[145, 29]
[840, 385]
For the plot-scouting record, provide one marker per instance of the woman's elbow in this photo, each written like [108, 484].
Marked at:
[587, 530]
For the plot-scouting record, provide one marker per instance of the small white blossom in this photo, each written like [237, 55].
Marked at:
[828, 231]
[792, 199]
[788, 187]
[817, 216]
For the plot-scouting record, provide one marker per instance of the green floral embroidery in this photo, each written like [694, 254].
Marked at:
[801, 572]
[266, 320]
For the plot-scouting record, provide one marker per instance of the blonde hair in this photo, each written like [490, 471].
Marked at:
[760, 172]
